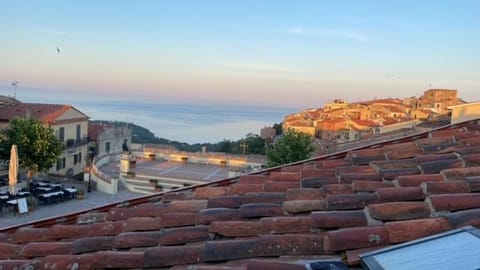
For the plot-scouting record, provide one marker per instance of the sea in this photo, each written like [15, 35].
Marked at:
[188, 122]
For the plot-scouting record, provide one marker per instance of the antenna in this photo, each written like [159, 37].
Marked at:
[14, 85]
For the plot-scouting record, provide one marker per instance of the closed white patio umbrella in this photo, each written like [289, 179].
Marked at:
[13, 169]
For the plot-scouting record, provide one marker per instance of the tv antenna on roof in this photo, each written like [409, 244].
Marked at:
[14, 85]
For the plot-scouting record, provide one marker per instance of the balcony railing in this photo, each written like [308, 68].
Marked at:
[71, 143]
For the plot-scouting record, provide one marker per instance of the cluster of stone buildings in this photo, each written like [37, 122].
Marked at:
[82, 140]
[340, 121]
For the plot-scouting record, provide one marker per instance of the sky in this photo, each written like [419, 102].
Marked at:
[296, 53]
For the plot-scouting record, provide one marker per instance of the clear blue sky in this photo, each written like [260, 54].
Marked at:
[300, 53]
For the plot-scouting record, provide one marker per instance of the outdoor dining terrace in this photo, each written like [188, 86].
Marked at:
[41, 193]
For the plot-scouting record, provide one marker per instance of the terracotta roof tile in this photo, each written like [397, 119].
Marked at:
[302, 206]
[460, 173]
[118, 259]
[253, 179]
[400, 194]
[435, 157]
[208, 192]
[365, 169]
[168, 256]
[349, 201]
[230, 250]
[239, 189]
[334, 163]
[354, 238]
[92, 244]
[291, 244]
[286, 176]
[40, 249]
[369, 186]
[264, 197]
[27, 234]
[402, 150]
[339, 204]
[182, 235]
[206, 216]
[261, 210]
[445, 187]
[230, 201]
[362, 157]
[305, 194]
[168, 220]
[466, 217]
[417, 180]
[236, 228]
[279, 225]
[9, 251]
[274, 186]
[402, 231]
[399, 211]
[91, 217]
[311, 173]
[348, 178]
[143, 224]
[436, 166]
[455, 202]
[317, 182]
[336, 189]
[338, 219]
[473, 183]
[135, 239]
[471, 160]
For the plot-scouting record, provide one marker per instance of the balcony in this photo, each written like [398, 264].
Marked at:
[71, 143]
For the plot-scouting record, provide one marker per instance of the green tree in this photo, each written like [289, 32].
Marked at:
[38, 148]
[255, 144]
[292, 146]
[278, 128]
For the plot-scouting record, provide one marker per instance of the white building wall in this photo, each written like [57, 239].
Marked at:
[465, 112]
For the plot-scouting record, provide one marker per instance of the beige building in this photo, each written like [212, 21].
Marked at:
[69, 124]
[465, 112]
[108, 139]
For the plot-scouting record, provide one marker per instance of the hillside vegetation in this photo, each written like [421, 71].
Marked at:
[254, 143]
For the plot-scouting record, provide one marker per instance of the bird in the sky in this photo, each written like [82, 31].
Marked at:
[58, 50]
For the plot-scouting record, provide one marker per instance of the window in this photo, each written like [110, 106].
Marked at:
[78, 132]
[61, 164]
[107, 147]
[79, 157]
[61, 134]
[75, 159]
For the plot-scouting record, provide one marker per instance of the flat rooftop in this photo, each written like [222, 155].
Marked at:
[169, 169]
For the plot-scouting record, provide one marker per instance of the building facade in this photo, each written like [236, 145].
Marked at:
[69, 124]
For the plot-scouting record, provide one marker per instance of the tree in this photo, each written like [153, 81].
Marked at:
[278, 128]
[292, 146]
[255, 144]
[38, 148]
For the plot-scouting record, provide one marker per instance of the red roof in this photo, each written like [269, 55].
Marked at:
[46, 113]
[365, 123]
[333, 207]
[96, 129]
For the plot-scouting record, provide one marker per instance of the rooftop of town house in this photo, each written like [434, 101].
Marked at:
[329, 208]
[46, 113]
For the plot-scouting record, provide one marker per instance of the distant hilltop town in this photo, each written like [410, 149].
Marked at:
[341, 122]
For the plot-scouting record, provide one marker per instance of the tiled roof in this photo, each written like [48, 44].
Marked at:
[96, 129]
[46, 113]
[330, 208]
